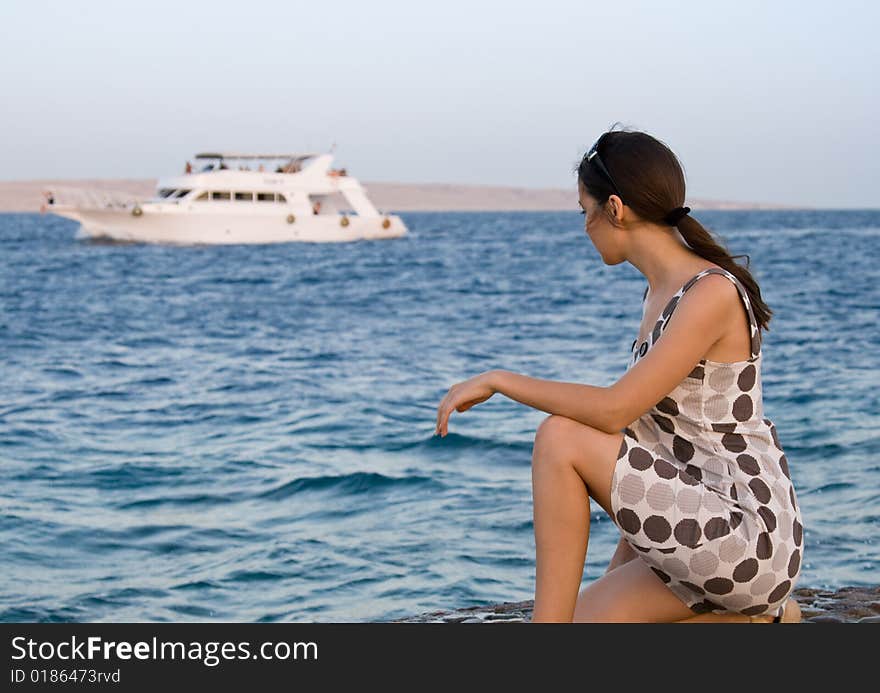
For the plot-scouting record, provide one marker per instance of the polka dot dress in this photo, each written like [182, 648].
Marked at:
[701, 487]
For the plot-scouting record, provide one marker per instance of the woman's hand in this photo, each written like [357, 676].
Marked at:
[462, 396]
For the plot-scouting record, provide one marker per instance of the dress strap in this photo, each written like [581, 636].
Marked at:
[744, 295]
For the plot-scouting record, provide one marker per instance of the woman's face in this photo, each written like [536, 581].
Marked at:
[598, 227]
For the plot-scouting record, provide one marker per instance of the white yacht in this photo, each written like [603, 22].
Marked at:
[240, 198]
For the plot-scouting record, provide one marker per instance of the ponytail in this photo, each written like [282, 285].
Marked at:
[704, 244]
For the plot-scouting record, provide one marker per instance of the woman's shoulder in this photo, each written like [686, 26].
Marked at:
[707, 292]
[709, 284]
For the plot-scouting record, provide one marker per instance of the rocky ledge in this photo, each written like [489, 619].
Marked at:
[846, 605]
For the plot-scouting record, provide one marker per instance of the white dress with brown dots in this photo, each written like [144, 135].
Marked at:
[701, 487]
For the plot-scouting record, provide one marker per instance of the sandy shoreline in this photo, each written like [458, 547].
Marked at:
[26, 196]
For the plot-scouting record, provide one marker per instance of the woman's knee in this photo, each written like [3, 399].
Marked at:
[561, 442]
[552, 447]
[554, 431]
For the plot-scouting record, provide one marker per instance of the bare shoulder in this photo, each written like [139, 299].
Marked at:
[713, 295]
[712, 302]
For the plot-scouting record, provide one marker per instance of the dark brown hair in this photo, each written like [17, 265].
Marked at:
[650, 180]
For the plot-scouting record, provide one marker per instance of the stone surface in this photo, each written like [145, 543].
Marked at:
[845, 605]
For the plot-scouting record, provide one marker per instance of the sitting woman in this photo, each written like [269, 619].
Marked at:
[678, 451]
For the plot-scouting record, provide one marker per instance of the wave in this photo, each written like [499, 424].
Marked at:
[197, 585]
[255, 576]
[834, 486]
[126, 476]
[452, 441]
[460, 441]
[202, 499]
[358, 482]
[27, 614]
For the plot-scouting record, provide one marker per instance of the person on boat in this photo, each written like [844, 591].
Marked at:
[678, 451]
[49, 200]
[188, 168]
[316, 207]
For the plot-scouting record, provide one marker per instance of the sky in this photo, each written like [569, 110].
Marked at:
[772, 102]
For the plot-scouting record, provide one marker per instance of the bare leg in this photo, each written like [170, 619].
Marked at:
[622, 554]
[571, 463]
[630, 593]
[633, 595]
[562, 529]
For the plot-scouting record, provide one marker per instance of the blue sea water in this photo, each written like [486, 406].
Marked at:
[245, 433]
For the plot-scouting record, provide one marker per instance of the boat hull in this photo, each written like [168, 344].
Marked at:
[198, 228]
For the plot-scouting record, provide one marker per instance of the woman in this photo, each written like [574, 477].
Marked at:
[677, 451]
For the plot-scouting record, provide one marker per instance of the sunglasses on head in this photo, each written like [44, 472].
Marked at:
[592, 156]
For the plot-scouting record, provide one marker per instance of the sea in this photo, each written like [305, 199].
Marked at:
[246, 433]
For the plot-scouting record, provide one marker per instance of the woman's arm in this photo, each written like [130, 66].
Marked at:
[587, 404]
[584, 403]
[699, 321]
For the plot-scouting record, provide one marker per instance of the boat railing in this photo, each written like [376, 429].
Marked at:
[94, 198]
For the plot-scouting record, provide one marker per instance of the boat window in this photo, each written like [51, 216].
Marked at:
[204, 196]
[220, 195]
[183, 193]
[244, 196]
[332, 203]
[166, 192]
[280, 197]
[265, 197]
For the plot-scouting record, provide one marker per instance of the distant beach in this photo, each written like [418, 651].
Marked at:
[27, 196]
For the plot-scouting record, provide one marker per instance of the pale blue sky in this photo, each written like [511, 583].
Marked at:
[762, 101]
